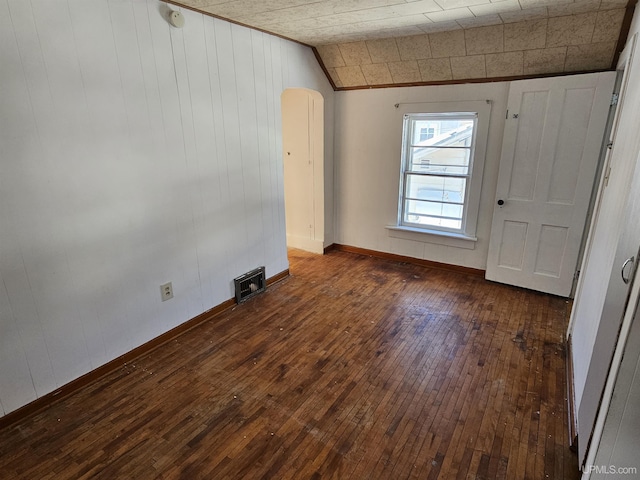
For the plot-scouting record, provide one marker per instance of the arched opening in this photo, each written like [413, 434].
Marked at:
[303, 151]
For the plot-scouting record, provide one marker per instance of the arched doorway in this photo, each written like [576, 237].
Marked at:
[303, 152]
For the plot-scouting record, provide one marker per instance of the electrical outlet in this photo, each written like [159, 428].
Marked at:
[166, 291]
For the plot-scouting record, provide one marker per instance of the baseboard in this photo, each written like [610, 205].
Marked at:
[405, 259]
[306, 244]
[64, 391]
[330, 248]
[571, 404]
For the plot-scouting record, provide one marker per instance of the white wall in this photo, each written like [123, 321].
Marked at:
[367, 154]
[132, 154]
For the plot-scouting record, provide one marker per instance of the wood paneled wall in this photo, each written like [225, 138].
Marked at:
[132, 154]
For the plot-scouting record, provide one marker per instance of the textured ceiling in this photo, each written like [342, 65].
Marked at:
[365, 43]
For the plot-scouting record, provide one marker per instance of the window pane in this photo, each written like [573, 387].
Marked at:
[433, 214]
[455, 133]
[434, 188]
[440, 160]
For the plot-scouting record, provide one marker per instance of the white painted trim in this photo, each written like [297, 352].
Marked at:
[439, 237]
[306, 244]
[483, 110]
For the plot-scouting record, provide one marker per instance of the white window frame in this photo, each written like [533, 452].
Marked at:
[476, 167]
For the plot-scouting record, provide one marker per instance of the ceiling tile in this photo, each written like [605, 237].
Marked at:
[355, 53]
[450, 15]
[508, 64]
[571, 29]
[373, 42]
[331, 56]
[594, 56]
[528, 14]
[440, 27]
[528, 35]
[251, 9]
[484, 21]
[484, 40]
[546, 60]
[542, 3]
[468, 67]
[383, 50]
[495, 8]
[413, 8]
[447, 44]
[405, 72]
[205, 3]
[608, 4]
[377, 74]
[351, 76]
[339, 6]
[573, 8]
[334, 76]
[435, 69]
[416, 47]
[608, 24]
[452, 4]
[404, 21]
[394, 32]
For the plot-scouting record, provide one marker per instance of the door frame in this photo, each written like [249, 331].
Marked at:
[315, 241]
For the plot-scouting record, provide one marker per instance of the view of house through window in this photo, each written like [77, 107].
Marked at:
[437, 159]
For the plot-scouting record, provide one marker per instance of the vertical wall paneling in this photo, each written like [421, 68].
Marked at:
[204, 158]
[262, 141]
[26, 365]
[217, 188]
[233, 151]
[249, 155]
[133, 153]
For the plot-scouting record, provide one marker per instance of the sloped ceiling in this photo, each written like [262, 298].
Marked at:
[373, 43]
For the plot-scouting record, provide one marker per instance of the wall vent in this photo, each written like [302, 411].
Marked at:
[250, 284]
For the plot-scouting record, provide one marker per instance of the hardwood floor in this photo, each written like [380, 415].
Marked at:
[352, 368]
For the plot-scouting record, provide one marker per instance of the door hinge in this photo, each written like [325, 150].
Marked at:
[607, 173]
[576, 275]
[614, 99]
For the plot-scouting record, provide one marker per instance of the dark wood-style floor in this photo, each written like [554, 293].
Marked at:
[352, 368]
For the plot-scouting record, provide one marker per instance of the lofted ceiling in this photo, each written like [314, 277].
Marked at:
[369, 43]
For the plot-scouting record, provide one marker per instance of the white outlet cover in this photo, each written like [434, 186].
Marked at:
[166, 291]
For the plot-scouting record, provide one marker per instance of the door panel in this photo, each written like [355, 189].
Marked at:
[514, 236]
[550, 151]
[552, 244]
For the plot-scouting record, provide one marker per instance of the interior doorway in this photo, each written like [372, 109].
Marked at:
[303, 152]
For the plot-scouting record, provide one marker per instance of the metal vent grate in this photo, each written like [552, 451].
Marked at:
[250, 284]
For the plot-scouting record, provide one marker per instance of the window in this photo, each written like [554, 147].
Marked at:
[427, 132]
[443, 150]
[436, 169]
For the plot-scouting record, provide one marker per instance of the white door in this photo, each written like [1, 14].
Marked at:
[616, 299]
[552, 141]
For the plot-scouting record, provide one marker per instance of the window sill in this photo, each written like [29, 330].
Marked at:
[438, 237]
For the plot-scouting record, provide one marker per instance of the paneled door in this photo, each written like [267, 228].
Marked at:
[552, 140]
